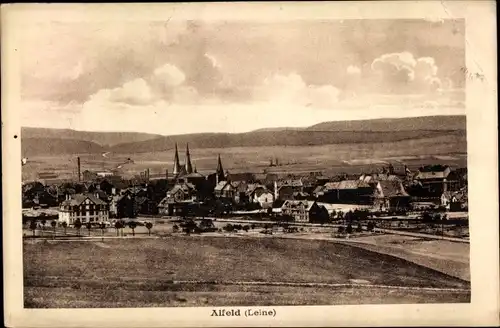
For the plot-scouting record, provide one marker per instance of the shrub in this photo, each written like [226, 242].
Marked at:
[228, 227]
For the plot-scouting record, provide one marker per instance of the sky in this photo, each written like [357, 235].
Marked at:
[235, 76]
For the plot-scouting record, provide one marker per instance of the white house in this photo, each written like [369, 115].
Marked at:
[264, 197]
[86, 207]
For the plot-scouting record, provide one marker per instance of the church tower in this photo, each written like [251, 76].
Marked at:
[189, 167]
[177, 165]
[219, 172]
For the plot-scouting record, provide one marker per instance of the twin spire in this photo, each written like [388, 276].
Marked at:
[188, 167]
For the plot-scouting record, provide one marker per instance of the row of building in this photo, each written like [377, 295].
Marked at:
[306, 198]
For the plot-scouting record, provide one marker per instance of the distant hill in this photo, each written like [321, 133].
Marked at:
[53, 141]
[275, 138]
[435, 123]
[101, 138]
[55, 146]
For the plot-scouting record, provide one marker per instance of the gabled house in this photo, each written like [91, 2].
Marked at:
[240, 195]
[181, 192]
[434, 178]
[123, 206]
[284, 189]
[85, 207]
[264, 198]
[391, 195]
[178, 199]
[225, 190]
[146, 206]
[305, 211]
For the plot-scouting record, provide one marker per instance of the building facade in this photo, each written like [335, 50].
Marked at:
[84, 207]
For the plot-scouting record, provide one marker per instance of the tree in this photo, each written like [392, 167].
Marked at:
[103, 227]
[89, 226]
[33, 226]
[65, 225]
[340, 215]
[53, 224]
[78, 226]
[149, 225]
[132, 225]
[359, 228]
[118, 226]
[122, 226]
[43, 222]
[370, 226]
[349, 228]
[340, 229]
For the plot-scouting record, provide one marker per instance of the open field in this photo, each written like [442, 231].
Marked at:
[212, 271]
[448, 257]
[348, 158]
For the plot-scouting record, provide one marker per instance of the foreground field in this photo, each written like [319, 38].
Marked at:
[188, 271]
[448, 257]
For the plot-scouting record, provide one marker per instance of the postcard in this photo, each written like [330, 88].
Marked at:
[250, 164]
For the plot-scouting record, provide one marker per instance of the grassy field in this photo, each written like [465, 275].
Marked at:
[139, 272]
[348, 158]
[448, 257]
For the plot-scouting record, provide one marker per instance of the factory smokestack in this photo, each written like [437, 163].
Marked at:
[166, 174]
[147, 175]
[79, 170]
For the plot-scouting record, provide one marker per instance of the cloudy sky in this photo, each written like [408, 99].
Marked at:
[193, 76]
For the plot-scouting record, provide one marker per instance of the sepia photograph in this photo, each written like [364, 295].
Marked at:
[242, 164]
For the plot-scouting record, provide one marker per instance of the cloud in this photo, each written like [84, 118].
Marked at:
[135, 92]
[64, 69]
[169, 75]
[166, 84]
[353, 70]
[292, 89]
[403, 73]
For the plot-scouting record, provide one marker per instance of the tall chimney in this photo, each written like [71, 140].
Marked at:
[276, 195]
[147, 175]
[79, 174]
[166, 174]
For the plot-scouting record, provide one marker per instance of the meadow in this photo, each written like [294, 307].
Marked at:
[212, 271]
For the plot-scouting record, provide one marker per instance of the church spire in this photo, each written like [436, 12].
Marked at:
[177, 165]
[189, 167]
[219, 173]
